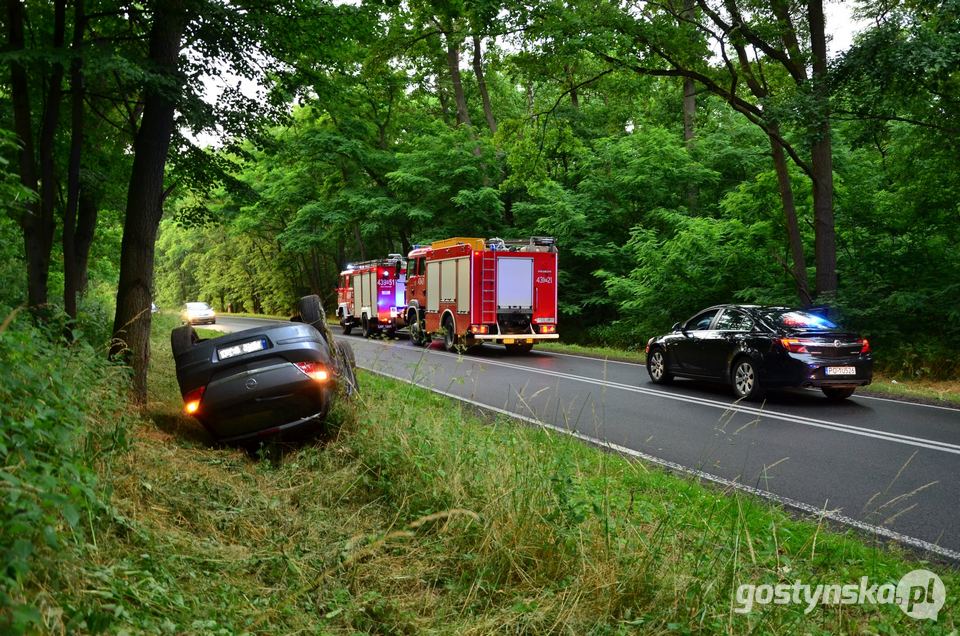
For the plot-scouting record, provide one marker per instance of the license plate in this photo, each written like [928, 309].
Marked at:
[239, 349]
[841, 370]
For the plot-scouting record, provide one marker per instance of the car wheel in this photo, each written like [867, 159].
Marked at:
[746, 382]
[347, 327]
[522, 347]
[311, 311]
[449, 334]
[348, 367]
[182, 339]
[657, 368]
[837, 393]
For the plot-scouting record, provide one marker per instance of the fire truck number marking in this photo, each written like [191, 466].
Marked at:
[385, 282]
[544, 280]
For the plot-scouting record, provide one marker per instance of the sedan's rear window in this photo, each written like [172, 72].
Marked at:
[804, 320]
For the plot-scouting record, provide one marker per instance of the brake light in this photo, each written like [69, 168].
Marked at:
[313, 370]
[191, 401]
[479, 328]
[864, 346]
[548, 329]
[794, 345]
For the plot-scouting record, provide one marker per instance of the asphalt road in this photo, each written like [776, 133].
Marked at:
[887, 467]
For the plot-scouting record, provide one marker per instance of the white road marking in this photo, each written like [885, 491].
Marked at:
[544, 352]
[728, 483]
[920, 442]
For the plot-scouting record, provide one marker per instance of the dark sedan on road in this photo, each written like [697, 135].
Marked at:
[754, 348]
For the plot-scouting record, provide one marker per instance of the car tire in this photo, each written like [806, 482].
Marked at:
[348, 367]
[449, 334]
[311, 311]
[347, 328]
[519, 348]
[182, 339]
[657, 368]
[745, 380]
[836, 393]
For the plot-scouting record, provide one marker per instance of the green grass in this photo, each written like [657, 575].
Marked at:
[413, 515]
[946, 392]
[607, 353]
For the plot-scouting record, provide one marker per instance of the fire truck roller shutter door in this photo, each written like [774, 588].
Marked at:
[433, 286]
[463, 285]
[448, 281]
[515, 283]
[355, 310]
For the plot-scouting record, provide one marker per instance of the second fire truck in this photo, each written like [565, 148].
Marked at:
[371, 295]
[468, 291]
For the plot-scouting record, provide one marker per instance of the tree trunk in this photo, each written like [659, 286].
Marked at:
[43, 241]
[453, 66]
[689, 116]
[131, 326]
[359, 239]
[30, 220]
[574, 96]
[794, 239]
[71, 278]
[821, 154]
[482, 85]
[88, 207]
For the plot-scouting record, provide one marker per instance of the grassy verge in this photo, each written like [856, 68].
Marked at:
[606, 353]
[946, 392]
[414, 516]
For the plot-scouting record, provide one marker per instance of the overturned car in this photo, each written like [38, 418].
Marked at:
[263, 381]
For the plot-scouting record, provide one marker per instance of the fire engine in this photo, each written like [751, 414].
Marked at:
[371, 294]
[470, 290]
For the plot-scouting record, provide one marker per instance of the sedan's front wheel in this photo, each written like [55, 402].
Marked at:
[657, 368]
[746, 383]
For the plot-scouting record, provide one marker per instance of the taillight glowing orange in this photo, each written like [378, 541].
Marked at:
[548, 329]
[479, 328]
[314, 371]
[191, 401]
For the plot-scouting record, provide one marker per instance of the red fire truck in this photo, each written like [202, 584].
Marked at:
[372, 295]
[470, 290]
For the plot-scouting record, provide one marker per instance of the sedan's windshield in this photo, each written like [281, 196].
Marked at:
[804, 320]
[196, 306]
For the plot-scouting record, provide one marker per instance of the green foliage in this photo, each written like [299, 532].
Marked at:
[61, 405]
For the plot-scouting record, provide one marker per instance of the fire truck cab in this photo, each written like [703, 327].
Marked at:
[470, 290]
[371, 295]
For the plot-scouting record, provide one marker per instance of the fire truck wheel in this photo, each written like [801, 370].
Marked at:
[449, 334]
[311, 311]
[369, 327]
[418, 332]
[523, 347]
[347, 327]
